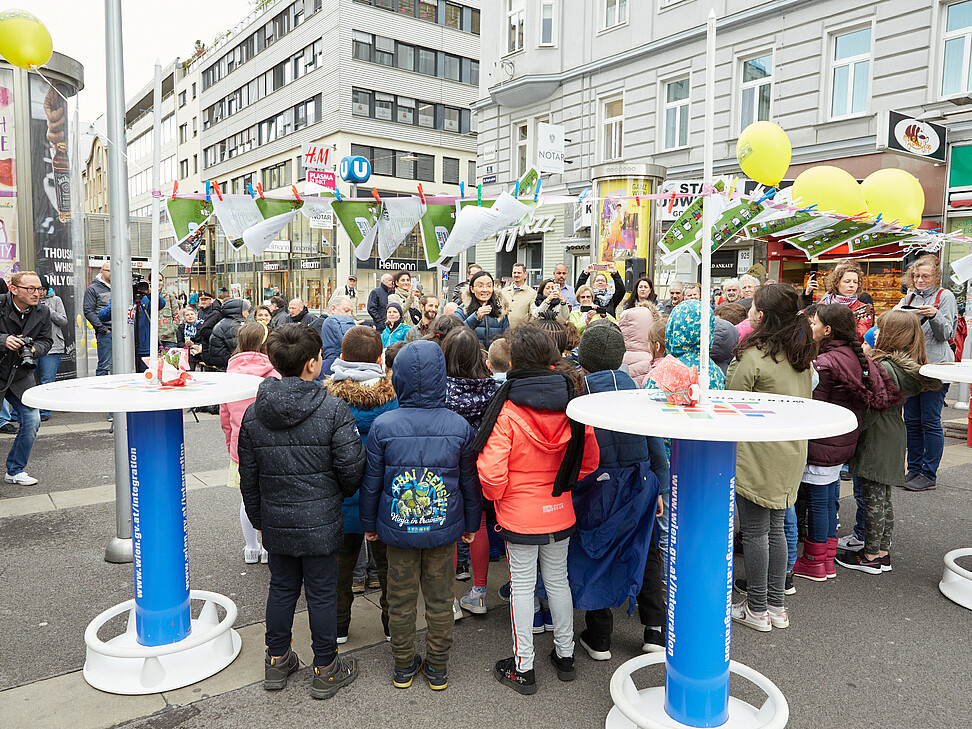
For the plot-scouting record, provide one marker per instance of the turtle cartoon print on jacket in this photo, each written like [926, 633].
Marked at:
[419, 501]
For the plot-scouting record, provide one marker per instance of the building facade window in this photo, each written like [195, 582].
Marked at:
[515, 18]
[521, 143]
[851, 71]
[183, 133]
[615, 12]
[277, 175]
[450, 171]
[454, 15]
[397, 163]
[183, 169]
[958, 48]
[182, 99]
[471, 172]
[547, 22]
[402, 110]
[427, 61]
[286, 122]
[676, 113]
[757, 90]
[612, 116]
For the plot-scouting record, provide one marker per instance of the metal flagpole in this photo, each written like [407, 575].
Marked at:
[707, 204]
[122, 348]
[156, 205]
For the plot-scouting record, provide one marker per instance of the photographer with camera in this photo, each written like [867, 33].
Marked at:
[25, 331]
[139, 316]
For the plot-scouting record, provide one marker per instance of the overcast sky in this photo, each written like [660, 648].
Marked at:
[163, 30]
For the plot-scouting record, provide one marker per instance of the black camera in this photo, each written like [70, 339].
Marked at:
[27, 360]
[140, 288]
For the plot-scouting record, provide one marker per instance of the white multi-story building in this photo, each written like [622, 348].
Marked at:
[390, 81]
[626, 80]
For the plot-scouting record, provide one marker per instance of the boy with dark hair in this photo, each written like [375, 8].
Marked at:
[359, 379]
[420, 495]
[300, 455]
[390, 353]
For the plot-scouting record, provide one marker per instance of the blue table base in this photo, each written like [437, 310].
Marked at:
[159, 530]
[700, 582]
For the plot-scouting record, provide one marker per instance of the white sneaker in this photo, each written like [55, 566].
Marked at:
[757, 621]
[264, 557]
[474, 602]
[457, 613]
[850, 542]
[778, 616]
[21, 479]
[251, 555]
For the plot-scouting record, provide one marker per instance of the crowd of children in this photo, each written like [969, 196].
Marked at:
[421, 448]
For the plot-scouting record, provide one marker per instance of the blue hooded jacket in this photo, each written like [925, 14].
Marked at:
[144, 325]
[421, 487]
[332, 334]
[683, 338]
[615, 508]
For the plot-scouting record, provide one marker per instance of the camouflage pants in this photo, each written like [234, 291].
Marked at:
[433, 570]
[878, 517]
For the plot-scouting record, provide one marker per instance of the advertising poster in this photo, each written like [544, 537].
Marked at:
[360, 222]
[51, 196]
[435, 227]
[623, 226]
[9, 259]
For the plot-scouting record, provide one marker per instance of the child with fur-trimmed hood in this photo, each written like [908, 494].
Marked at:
[359, 378]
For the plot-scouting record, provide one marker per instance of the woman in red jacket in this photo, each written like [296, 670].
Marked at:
[531, 457]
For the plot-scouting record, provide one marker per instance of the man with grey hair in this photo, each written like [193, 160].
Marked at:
[378, 300]
[340, 304]
[675, 297]
[730, 290]
[747, 287]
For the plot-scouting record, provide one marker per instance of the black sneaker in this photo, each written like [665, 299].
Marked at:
[564, 666]
[328, 683]
[384, 627]
[462, 571]
[921, 482]
[654, 641]
[342, 633]
[276, 671]
[859, 561]
[438, 678]
[597, 647]
[403, 676]
[523, 683]
[8, 428]
[886, 563]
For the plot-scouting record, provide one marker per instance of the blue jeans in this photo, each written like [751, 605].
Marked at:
[822, 511]
[790, 531]
[104, 353]
[47, 368]
[24, 442]
[926, 438]
[318, 575]
[4, 413]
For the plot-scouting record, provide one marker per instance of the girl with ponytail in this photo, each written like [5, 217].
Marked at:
[849, 380]
[774, 358]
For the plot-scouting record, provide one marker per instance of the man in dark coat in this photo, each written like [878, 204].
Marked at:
[378, 300]
[21, 317]
[96, 297]
[278, 311]
[300, 315]
[209, 315]
[222, 343]
[300, 456]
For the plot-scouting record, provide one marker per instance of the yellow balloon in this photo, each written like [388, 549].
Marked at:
[763, 152]
[831, 189]
[24, 41]
[896, 195]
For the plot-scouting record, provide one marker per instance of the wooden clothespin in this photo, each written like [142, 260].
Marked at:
[296, 194]
[375, 195]
[260, 190]
[219, 193]
[421, 193]
[175, 189]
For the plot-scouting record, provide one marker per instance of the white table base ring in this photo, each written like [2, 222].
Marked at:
[645, 708]
[121, 665]
[956, 582]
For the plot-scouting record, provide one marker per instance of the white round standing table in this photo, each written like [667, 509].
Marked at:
[162, 647]
[704, 437]
[956, 582]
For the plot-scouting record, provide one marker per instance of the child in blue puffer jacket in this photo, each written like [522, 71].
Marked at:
[419, 496]
[359, 379]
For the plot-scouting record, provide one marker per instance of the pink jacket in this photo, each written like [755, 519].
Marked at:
[231, 414]
[744, 327]
[635, 323]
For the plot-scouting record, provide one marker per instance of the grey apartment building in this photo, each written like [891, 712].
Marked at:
[390, 80]
[626, 80]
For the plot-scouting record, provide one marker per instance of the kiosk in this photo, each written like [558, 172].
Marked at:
[162, 647]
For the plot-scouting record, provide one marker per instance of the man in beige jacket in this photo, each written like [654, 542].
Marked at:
[520, 296]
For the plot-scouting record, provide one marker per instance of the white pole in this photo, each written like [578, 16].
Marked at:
[156, 205]
[707, 207]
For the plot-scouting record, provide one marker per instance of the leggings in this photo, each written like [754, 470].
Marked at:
[479, 555]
